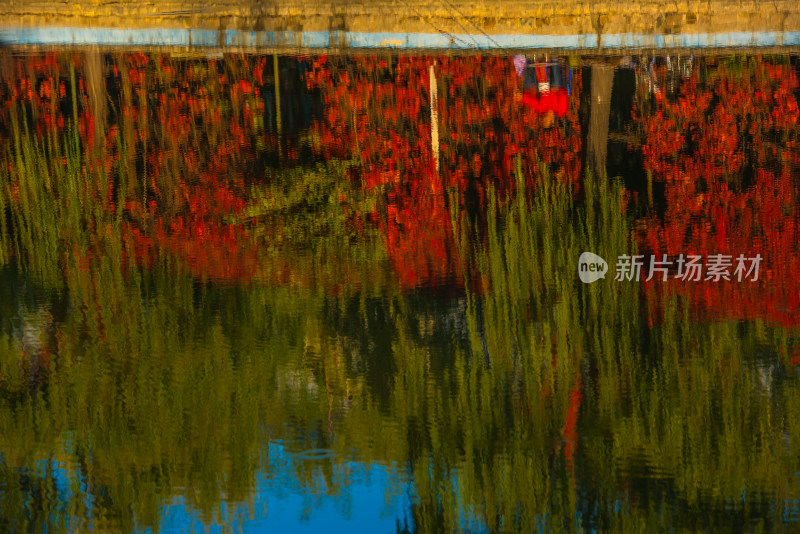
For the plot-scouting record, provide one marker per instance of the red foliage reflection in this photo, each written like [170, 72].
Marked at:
[728, 152]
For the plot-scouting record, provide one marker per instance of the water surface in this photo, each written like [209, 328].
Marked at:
[302, 293]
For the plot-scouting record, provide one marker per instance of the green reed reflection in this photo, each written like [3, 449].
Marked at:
[670, 409]
[130, 378]
[532, 331]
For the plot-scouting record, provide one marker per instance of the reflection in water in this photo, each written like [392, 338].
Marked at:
[254, 291]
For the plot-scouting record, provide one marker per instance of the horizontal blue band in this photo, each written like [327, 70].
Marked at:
[377, 40]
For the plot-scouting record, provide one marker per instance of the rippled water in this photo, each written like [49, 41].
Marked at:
[345, 293]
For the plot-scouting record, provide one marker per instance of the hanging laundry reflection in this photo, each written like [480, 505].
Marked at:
[544, 89]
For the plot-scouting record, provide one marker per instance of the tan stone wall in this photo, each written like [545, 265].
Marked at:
[445, 16]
